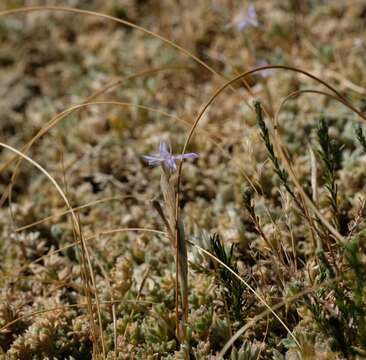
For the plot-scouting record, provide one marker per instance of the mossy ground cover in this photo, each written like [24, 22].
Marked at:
[268, 222]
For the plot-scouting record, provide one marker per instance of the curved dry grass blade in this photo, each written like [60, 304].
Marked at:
[112, 18]
[101, 91]
[314, 176]
[81, 207]
[75, 209]
[38, 312]
[107, 279]
[94, 284]
[16, 272]
[56, 119]
[182, 270]
[229, 83]
[75, 222]
[345, 82]
[113, 84]
[40, 133]
[115, 231]
[93, 96]
[45, 172]
[247, 73]
[123, 22]
[279, 146]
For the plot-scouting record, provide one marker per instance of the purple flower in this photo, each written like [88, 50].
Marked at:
[248, 20]
[265, 72]
[165, 156]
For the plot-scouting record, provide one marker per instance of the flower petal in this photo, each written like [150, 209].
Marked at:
[186, 156]
[252, 14]
[170, 163]
[153, 160]
[249, 19]
[163, 149]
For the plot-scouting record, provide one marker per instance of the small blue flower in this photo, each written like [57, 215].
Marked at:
[265, 72]
[165, 156]
[248, 20]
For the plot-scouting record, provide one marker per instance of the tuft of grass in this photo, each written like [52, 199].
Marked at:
[234, 290]
[361, 137]
[339, 309]
[330, 152]
[281, 173]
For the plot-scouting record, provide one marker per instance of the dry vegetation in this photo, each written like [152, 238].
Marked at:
[273, 210]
